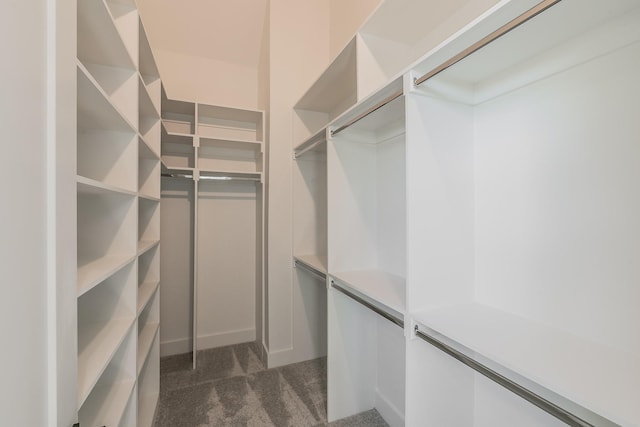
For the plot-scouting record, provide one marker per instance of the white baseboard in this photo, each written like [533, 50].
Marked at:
[391, 414]
[226, 338]
[181, 346]
[280, 357]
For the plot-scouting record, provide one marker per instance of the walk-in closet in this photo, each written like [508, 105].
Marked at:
[322, 213]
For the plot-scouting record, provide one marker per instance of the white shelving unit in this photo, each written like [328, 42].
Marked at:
[366, 236]
[221, 149]
[521, 230]
[310, 247]
[118, 225]
[489, 208]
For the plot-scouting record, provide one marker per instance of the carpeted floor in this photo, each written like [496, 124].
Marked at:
[231, 387]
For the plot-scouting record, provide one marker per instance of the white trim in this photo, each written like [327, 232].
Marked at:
[391, 414]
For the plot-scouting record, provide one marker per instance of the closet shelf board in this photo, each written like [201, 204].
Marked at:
[316, 142]
[148, 197]
[96, 271]
[97, 343]
[95, 109]
[315, 261]
[145, 292]
[378, 287]
[94, 187]
[230, 143]
[145, 245]
[146, 151]
[229, 174]
[108, 404]
[335, 85]
[99, 40]
[575, 370]
[147, 107]
[145, 340]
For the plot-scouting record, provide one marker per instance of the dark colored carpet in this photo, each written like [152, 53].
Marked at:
[231, 387]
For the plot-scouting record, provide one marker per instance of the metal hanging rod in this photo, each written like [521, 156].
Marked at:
[513, 24]
[310, 269]
[533, 398]
[230, 178]
[177, 175]
[388, 316]
[361, 116]
[213, 178]
[316, 140]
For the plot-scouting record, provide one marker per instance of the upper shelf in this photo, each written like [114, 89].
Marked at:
[218, 122]
[99, 40]
[335, 90]
[552, 42]
[582, 376]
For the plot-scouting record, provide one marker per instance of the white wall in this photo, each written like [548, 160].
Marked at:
[346, 18]
[33, 72]
[295, 61]
[208, 81]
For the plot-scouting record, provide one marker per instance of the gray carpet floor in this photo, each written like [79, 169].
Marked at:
[232, 387]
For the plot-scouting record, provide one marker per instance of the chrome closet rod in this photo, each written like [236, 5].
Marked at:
[313, 143]
[388, 316]
[310, 269]
[211, 178]
[533, 398]
[513, 24]
[177, 175]
[229, 178]
[367, 112]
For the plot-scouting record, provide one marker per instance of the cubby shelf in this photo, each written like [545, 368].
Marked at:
[97, 343]
[109, 404]
[145, 340]
[88, 186]
[95, 110]
[146, 245]
[145, 291]
[101, 42]
[94, 272]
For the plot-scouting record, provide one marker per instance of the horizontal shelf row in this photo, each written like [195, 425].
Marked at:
[183, 118]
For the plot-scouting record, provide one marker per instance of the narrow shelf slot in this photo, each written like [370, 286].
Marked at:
[108, 401]
[105, 315]
[177, 150]
[99, 40]
[145, 291]
[315, 261]
[149, 385]
[145, 339]
[226, 123]
[229, 155]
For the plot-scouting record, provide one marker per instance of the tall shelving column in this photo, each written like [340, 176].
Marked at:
[118, 229]
[229, 168]
[107, 211]
[220, 149]
[148, 301]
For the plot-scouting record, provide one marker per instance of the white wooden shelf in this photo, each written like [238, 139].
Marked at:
[148, 198]
[219, 122]
[315, 143]
[90, 186]
[562, 367]
[99, 40]
[146, 150]
[228, 175]
[335, 90]
[383, 289]
[146, 245]
[95, 108]
[315, 261]
[147, 106]
[145, 292]
[96, 271]
[108, 404]
[145, 340]
[97, 343]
